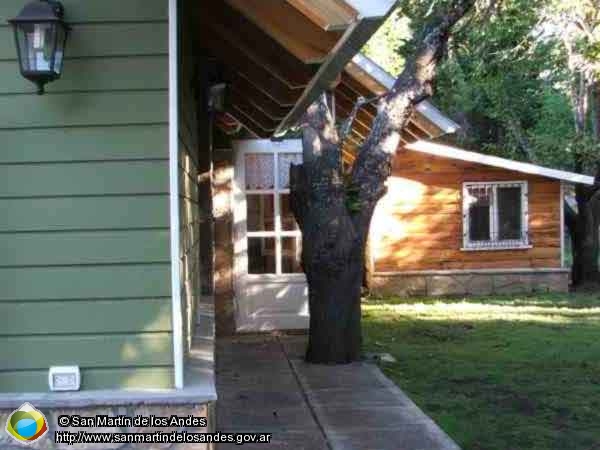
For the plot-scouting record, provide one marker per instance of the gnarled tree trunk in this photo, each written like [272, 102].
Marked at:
[585, 98]
[334, 214]
[584, 232]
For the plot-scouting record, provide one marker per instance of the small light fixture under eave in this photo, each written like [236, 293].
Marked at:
[41, 36]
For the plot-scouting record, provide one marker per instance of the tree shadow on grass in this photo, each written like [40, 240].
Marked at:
[497, 384]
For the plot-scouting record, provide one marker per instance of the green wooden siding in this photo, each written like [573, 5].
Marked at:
[81, 11]
[78, 213]
[103, 39]
[84, 247]
[83, 109]
[84, 282]
[91, 179]
[84, 195]
[126, 378]
[94, 74]
[89, 351]
[88, 316]
[97, 143]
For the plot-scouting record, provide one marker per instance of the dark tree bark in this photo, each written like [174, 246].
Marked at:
[583, 224]
[584, 231]
[334, 213]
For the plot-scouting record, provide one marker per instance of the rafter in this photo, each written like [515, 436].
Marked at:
[303, 38]
[242, 88]
[231, 26]
[258, 75]
[258, 117]
[354, 38]
[419, 133]
[358, 126]
[328, 14]
[248, 123]
[346, 104]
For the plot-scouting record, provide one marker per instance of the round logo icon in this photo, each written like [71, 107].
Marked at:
[26, 424]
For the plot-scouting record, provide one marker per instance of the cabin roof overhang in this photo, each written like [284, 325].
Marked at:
[445, 151]
[278, 56]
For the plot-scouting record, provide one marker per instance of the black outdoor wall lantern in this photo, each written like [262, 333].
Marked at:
[40, 36]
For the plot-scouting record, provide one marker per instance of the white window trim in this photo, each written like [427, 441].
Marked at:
[275, 148]
[497, 245]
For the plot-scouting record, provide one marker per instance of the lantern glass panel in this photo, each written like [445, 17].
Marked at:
[22, 35]
[61, 38]
[37, 42]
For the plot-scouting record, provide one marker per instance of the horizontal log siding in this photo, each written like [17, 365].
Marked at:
[418, 224]
[84, 185]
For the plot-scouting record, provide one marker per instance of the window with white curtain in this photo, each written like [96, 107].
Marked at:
[495, 215]
[274, 239]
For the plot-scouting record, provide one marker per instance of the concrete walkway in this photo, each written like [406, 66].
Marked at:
[264, 386]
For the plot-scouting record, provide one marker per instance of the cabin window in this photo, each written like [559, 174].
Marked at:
[495, 216]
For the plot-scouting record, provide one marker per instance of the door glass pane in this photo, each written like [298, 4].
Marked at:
[509, 213]
[479, 201]
[288, 222]
[261, 255]
[260, 212]
[285, 160]
[260, 168]
[291, 248]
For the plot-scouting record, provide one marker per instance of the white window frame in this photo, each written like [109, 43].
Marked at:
[494, 244]
[275, 148]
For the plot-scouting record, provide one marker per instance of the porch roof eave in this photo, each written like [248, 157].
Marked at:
[280, 55]
[371, 15]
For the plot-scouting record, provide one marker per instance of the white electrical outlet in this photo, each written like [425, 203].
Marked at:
[64, 378]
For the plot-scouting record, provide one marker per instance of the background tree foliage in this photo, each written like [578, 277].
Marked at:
[523, 86]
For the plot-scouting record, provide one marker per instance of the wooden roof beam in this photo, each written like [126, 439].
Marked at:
[247, 123]
[430, 130]
[355, 138]
[328, 14]
[240, 32]
[357, 125]
[244, 89]
[346, 104]
[288, 77]
[290, 27]
[257, 74]
[368, 73]
[260, 88]
[347, 47]
[256, 115]
[416, 131]
[409, 134]
[353, 86]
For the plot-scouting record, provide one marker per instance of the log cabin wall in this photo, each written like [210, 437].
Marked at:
[417, 226]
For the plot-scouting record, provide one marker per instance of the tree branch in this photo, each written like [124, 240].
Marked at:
[319, 175]
[373, 164]
[515, 127]
[319, 134]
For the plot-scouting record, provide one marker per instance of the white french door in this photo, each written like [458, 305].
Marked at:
[270, 287]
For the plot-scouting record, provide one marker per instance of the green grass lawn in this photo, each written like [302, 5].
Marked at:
[514, 373]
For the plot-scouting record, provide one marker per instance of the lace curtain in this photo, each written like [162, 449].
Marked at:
[260, 168]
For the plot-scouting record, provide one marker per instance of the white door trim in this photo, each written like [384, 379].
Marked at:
[243, 280]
